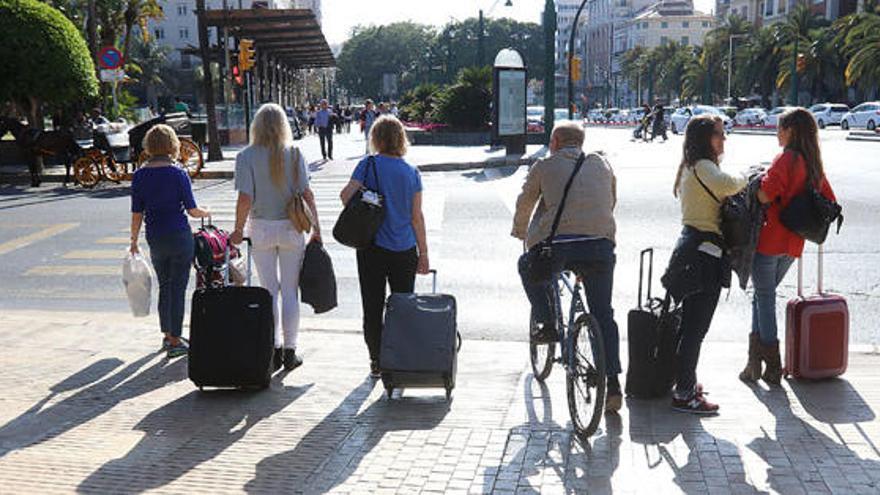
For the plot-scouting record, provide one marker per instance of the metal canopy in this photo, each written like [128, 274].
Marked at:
[291, 36]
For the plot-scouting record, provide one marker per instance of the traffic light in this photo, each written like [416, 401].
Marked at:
[801, 62]
[246, 54]
[236, 76]
[575, 72]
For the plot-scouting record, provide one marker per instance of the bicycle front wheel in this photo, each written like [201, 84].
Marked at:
[541, 356]
[585, 376]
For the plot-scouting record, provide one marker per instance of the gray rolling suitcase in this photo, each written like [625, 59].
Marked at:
[420, 341]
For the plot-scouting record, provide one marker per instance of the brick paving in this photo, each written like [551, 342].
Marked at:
[90, 406]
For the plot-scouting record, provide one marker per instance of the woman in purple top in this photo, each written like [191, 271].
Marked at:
[160, 195]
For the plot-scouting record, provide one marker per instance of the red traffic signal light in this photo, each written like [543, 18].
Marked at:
[801, 62]
[236, 76]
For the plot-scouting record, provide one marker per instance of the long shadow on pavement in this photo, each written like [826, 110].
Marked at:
[712, 463]
[803, 458]
[186, 433]
[542, 448]
[40, 424]
[331, 451]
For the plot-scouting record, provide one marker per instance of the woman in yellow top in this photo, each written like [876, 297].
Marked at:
[699, 266]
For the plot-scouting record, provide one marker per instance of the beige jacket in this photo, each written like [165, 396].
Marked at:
[589, 209]
[698, 209]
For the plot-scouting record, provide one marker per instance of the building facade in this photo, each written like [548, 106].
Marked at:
[667, 22]
[766, 12]
[566, 10]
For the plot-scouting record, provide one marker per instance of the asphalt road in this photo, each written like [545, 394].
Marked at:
[61, 248]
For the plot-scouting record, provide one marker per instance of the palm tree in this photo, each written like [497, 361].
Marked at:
[138, 12]
[758, 61]
[148, 66]
[798, 33]
[860, 35]
[671, 60]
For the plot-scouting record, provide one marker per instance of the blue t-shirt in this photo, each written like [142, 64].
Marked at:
[398, 183]
[162, 194]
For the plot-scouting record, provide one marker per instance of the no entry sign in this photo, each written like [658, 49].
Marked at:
[109, 58]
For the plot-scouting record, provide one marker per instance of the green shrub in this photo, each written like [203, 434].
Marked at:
[466, 104]
[417, 105]
[44, 55]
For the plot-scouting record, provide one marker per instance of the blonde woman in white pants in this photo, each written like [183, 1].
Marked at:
[267, 173]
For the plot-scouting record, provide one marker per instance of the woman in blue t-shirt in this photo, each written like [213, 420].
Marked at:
[160, 194]
[400, 249]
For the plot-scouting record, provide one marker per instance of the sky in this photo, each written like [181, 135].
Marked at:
[339, 16]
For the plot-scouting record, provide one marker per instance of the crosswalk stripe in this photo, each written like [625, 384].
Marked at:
[113, 240]
[78, 270]
[94, 254]
[20, 242]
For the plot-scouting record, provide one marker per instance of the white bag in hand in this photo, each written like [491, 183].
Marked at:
[137, 277]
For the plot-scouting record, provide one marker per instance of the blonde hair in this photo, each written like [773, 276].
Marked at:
[271, 130]
[568, 134]
[161, 140]
[388, 137]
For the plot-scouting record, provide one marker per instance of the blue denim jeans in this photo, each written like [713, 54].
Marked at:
[172, 256]
[593, 260]
[767, 273]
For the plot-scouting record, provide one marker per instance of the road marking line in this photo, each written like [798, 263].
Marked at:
[113, 240]
[95, 254]
[9, 246]
[80, 270]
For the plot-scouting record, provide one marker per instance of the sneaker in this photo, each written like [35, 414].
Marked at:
[277, 359]
[375, 371]
[695, 405]
[166, 343]
[613, 395]
[291, 360]
[544, 334]
[177, 350]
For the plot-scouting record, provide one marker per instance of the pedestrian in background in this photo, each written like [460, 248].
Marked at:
[161, 193]
[312, 114]
[699, 266]
[659, 123]
[368, 116]
[268, 173]
[584, 241]
[400, 249]
[799, 164]
[347, 119]
[324, 120]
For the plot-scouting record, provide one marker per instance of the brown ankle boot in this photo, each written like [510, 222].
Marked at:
[752, 372]
[773, 371]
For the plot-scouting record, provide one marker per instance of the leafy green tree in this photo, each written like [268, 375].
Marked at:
[148, 68]
[46, 58]
[373, 51]
[466, 104]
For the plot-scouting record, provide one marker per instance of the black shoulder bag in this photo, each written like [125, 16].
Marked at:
[809, 214]
[540, 257]
[735, 220]
[362, 216]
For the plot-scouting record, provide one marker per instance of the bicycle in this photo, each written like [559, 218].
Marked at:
[581, 354]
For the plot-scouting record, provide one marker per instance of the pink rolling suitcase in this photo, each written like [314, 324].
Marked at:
[816, 332]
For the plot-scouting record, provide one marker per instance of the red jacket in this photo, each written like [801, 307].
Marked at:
[786, 178]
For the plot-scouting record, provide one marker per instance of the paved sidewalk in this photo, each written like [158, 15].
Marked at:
[89, 405]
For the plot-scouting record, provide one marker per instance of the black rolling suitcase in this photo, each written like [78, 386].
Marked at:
[420, 341]
[232, 335]
[652, 336]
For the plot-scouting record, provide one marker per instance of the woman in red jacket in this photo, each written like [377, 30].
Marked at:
[779, 247]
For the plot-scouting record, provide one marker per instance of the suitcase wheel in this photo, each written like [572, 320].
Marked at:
[389, 391]
[201, 388]
[448, 394]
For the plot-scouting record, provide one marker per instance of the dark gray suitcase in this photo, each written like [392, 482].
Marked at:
[232, 335]
[420, 341]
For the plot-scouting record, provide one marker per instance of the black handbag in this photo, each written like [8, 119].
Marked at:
[809, 214]
[539, 262]
[735, 220]
[363, 215]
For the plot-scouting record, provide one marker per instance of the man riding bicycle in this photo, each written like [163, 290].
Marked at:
[584, 240]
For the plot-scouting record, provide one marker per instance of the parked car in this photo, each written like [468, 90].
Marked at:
[678, 121]
[772, 118]
[596, 115]
[828, 113]
[750, 116]
[867, 114]
[728, 110]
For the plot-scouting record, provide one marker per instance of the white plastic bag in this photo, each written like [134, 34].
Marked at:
[137, 277]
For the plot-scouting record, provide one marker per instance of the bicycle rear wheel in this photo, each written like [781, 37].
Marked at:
[541, 356]
[585, 376]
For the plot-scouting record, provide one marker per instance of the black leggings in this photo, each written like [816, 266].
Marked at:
[376, 268]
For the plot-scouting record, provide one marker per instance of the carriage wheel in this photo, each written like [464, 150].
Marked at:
[191, 157]
[141, 159]
[86, 171]
[112, 170]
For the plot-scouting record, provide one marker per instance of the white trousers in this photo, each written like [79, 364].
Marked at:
[278, 256]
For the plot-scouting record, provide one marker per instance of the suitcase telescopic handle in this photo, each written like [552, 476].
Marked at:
[650, 253]
[433, 273]
[250, 245]
[820, 272]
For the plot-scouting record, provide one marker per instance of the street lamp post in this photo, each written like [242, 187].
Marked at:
[730, 63]
[793, 99]
[574, 29]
